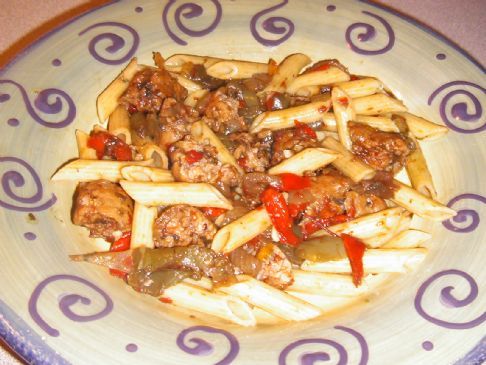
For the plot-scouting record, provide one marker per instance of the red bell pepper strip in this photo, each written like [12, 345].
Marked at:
[106, 144]
[305, 129]
[97, 141]
[193, 156]
[322, 67]
[355, 249]
[316, 224]
[294, 182]
[276, 206]
[122, 244]
[212, 212]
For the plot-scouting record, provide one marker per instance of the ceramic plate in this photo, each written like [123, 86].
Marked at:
[57, 312]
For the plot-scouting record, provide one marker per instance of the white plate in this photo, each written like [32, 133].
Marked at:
[55, 312]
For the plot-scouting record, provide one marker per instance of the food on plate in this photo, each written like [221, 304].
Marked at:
[253, 192]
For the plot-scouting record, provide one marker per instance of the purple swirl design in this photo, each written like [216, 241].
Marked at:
[448, 299]
[368, 35]
[460, 111]
[311, 358]
[66, 302]
[200, 347]
[271, 25]
[189, 11]
[14, 179]
[117, 43]
[464, 215]
[48, 101]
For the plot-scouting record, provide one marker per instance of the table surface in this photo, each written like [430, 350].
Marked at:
[460, 21]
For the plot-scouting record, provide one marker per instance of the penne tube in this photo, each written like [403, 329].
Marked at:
[240, 231]
[285, 118]
[264, 317]
[271, 299]
[342, 106]
[202, 133]
[374, 229]
[347, 163]
[309, 159]
[175, 62]
[419, 173]
[142, 226]
[409, 238]
[377, 104]
[233, 69]
[308, 91]
[325, 77]
[146, 173]
[423, 129]
[107, 101]
[204, 283]
[88, 170]
[361, 87]
[161, 194]
[419, 204]
[222, 306]
[153, 152]
[194, 97]
[119, 124]
[326, 303]
[374, 261]
[383, 124]
[84, 152]
[189, 85]
[287, 71]
[337, 285]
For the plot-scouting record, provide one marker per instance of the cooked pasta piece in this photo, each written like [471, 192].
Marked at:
[361, 87]
[325, 77]
[326, 303]
[194, 97]
[240, 231]
[146, 173]
[119, 124]
[383, 124]
[153, 152]
[374, 261]
[264, 317]
[271, 300]
[189, 85]
[343, 109]
[285, 118]
[287, 71]
[87, 170]
[377, 104]
[175, 62]
[142, 225]
[107, 101]
[84, 152]
[419, 204]
[348, 163]
[419, 173]
[234, 69]
[161, 194]
[219, 305]
[309, 159]
[409, 238]
[422, 128]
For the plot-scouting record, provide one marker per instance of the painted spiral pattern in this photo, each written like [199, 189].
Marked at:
[467, 219]
[66, 302]
[117, 52]
[189, 10]
[275, 25]
[310, 358]
[48, 101]
[15, 178]
[200, 347]
[461, 106]
[368, 35]
[447, 299]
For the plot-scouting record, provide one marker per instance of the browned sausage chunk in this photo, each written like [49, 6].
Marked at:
[252, 151]
[288, 142]
[221, 113]
[103, 207]
[182, 225]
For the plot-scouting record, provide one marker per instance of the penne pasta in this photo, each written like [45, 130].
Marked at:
[189, 85]
[326, 303]
[204, 283]
[423, 129]
[233, 69]
[409, 238]
[287, 71]
[194, 97]
[309, 159]
[142, 226]
[84, 152]
[325, 77]
[240, 231]
[160, 194]
[146, 173]
[153, 152]
[342, 106]
[202, 133]
[419, 204]
[222, 306]
[383, 124]
[419, 173]
[87, 170]
[264, 317]
[107, 101]
[174, 63]
[308, 91]
[272, 300]
[119, 124]
[361, 87]
[377, 104]
[348, 163]
[374, 261]
[285, 118]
